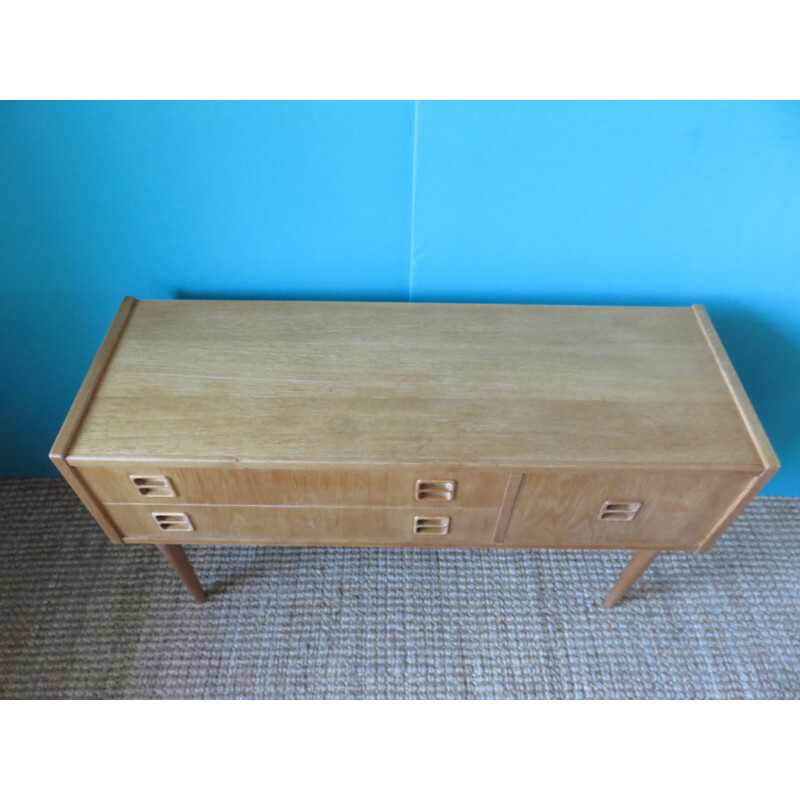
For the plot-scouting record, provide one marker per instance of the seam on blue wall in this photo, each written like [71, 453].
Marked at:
[413, 206]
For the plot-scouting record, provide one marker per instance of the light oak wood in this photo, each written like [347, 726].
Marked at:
[178, 560]
[72, 423]
[641, 560]
[509, 499]
[747, 493]
[757, 433]
[266, 485]
[678, 508]
[766, 453]
[381, 383]
[309, 525]
[396, 424]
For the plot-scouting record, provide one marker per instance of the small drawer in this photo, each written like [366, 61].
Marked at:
[162, 484]
[304, 525]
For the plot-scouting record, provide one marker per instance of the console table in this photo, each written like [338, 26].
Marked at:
[413, 424]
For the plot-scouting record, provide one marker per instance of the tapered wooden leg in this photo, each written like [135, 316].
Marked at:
[641, 560]
[179, 561]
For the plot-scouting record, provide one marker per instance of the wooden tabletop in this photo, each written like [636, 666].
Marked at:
[470, 384]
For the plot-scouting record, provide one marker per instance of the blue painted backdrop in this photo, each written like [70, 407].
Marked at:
[652, 203]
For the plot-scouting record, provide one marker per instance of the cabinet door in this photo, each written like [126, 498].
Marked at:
[620, 509]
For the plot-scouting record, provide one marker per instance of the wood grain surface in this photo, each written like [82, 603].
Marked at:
[75, 417]
[678, 508]
[313, 423]
[292, 525]
[299, 487]
[372, 383]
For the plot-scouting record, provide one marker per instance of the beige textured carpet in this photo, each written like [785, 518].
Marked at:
[81, 618]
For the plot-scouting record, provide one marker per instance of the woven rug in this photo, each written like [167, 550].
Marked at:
[82, 618]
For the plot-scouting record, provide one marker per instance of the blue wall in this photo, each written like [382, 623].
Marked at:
[652, 203]
[100, 200]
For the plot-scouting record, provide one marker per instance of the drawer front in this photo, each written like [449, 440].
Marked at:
[437, 527]
[423, 486]
[621, 509]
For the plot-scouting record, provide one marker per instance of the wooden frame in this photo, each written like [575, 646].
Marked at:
[769, 459]
[69, 430]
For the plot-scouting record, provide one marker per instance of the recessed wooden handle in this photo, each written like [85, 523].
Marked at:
[431, 526]
[171, 521]
[436, 490]
[153, 485]
[617, 511]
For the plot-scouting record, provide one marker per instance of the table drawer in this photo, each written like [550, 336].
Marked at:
[194, 524]
[622, 509]
[423, 486]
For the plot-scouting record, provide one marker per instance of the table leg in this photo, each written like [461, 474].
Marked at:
[179, 561]
[641, 560]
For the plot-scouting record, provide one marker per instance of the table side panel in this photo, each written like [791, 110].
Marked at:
[753, 424]
[76, 414]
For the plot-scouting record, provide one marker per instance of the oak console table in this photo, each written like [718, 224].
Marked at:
[413, 424]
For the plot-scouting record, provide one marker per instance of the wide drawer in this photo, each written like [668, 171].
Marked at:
[194, 524]
[234, 485]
